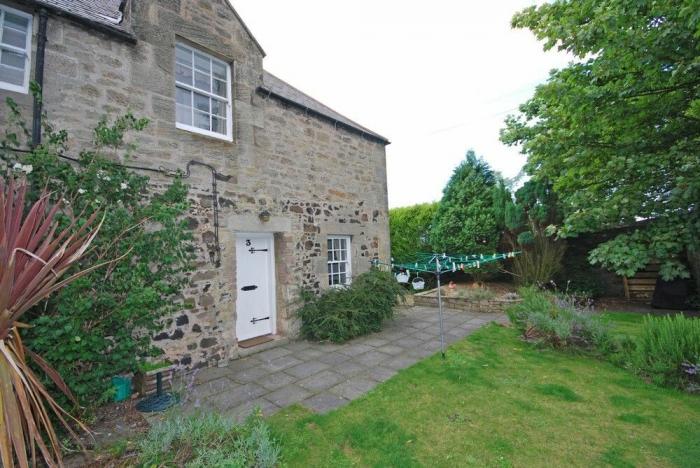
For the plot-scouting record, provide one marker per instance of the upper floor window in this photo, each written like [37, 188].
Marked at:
[15, 49]
[203, 88]
[339, 265]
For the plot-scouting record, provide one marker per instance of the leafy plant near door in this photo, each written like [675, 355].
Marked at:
[341, 314]
[34, 254]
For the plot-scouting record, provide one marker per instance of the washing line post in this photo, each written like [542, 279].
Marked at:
[442, 330]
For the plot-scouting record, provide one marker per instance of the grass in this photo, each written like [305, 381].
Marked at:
[624, 322]
[497, 401]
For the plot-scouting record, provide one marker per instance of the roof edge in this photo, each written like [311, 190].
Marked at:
[262, 90]
[246, 29]
[117, 33]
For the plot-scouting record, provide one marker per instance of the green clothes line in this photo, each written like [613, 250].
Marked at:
[432, 262]
[437, 264]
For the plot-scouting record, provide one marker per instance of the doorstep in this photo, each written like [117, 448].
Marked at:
[273, 342]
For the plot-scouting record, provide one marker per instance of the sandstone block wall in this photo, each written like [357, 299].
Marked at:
[314, 179]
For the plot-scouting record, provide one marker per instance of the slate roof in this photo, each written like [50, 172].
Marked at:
[273, 86]
[103, 14]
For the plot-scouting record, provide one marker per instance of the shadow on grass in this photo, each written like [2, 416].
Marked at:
[561, 392]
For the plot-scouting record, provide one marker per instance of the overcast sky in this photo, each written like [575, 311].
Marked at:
[435, 77]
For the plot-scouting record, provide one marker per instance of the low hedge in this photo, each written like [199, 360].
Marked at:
[340, 314]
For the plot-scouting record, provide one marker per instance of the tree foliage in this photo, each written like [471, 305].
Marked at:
[101, 325]
[410, 230]
[467, 219]
[618, 130]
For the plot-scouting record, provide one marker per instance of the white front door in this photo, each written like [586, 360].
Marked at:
[255, 283]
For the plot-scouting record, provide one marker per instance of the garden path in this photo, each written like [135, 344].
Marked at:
[323, 376]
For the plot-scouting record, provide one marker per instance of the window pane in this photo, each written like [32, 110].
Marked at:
[183, 56]
[201, 81]
[329, 268]
[184, 96]
[183, 114]
[343, 243]
[12, 59]
[218, 70]
[335, 268]
[330, 245]
[202, 63]
[343, 278]
[343, 254]
[201, 120]
[218, 108]
[183, 74]
[219, 88]
[17, 22]
[342, 267]
[11, 75]
[218, 125]
[201, 102]
[14, 38]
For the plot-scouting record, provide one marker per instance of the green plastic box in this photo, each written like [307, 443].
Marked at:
[122, 387]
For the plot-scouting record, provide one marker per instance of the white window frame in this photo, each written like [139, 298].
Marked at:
[229, 92]
[27, 52]
[347, 261]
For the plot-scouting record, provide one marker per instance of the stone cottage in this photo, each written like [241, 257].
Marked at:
[286, 193]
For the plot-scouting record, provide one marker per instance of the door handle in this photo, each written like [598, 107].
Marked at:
[249, 288]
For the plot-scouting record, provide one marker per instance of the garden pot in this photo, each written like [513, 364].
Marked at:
[122, 387]
[145, 381]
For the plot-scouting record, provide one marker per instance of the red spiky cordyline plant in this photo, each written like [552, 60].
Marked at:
[34, 255]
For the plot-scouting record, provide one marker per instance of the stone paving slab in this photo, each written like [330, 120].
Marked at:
[324, 376]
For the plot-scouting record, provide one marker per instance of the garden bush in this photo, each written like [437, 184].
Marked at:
[558, 321]
[340, 314]
[667, 350]
[209, 439]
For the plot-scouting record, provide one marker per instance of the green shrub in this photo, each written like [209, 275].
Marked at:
[409, 227]
[664, 345]
[344, 313]
[209, 439]
[539, 261]
[558, 321]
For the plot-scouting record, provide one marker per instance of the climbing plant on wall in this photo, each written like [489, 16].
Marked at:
[101, 324]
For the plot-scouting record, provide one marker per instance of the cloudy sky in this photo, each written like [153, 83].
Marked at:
[437, 78]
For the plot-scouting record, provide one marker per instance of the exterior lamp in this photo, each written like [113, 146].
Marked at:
[264, 216]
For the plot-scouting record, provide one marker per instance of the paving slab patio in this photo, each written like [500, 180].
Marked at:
[323, 377]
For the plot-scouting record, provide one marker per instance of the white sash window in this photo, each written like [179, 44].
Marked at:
[15, 49]
[339, 263]
[203, 93]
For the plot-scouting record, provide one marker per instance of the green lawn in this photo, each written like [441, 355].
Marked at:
[497, 401]
[624, 322]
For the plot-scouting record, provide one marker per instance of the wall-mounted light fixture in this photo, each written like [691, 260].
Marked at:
[264, 216]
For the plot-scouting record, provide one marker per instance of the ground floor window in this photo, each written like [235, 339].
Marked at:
[339, 265]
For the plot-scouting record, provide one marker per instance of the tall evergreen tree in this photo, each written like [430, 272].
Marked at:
[466, 220]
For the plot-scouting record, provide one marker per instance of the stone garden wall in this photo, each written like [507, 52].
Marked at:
[429, 299]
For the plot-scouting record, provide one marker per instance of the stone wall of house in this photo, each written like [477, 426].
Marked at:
[314, 179]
